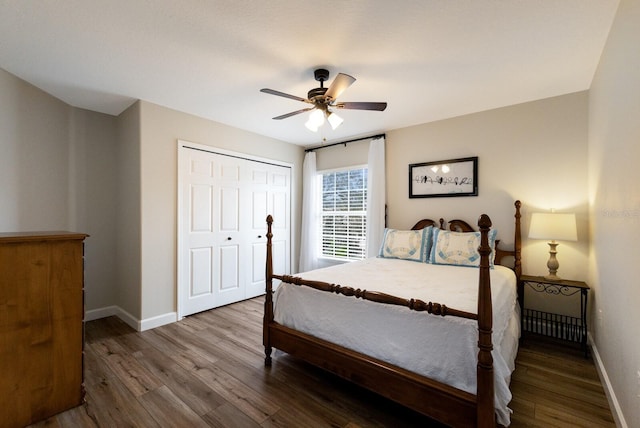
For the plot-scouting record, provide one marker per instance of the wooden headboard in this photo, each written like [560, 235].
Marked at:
[501, 254]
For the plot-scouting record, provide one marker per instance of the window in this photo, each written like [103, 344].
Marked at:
[344, 214]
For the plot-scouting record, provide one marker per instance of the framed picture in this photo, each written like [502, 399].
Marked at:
[454, 177]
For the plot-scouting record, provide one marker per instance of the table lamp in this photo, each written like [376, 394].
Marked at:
[553, 226]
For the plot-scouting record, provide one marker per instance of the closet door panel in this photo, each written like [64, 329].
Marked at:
[280, 206]
[256, 280]
[228, 277]
[197, 230]
[280, 252]
[229, 214]
[229, 287]
[258, 191]
[201, 208]
[200, 280]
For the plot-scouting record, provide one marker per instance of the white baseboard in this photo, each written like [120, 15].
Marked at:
[96, 314]
[616, 411]
[158, 321]
[130, 320]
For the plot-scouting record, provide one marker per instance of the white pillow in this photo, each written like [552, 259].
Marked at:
[406, 244]
[459, 248]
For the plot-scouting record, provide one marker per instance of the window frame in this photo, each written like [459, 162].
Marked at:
[321, 214]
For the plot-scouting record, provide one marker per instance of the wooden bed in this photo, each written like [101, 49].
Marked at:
[437, 400]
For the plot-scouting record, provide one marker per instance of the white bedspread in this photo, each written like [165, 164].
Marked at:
[442, 348]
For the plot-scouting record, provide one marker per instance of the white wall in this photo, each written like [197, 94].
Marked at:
[614, 157]
[160, 130]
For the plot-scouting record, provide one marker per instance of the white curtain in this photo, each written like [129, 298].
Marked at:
[309, 226]
[376, 197]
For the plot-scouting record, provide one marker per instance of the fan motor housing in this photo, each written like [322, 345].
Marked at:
[316, 93]
[321, 75]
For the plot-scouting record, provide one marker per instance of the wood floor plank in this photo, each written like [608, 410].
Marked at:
[522, 406]
[177, 349]
[543, 381]
[581, 368]
[135, 377]
[168, 410]
[293, 403]
[183, 383]
[562, 418]
[108, 401]
[254, 405]
[229, 416]
[564, 403]
[208, 370]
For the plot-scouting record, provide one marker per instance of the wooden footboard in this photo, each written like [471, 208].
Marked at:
[439, 401]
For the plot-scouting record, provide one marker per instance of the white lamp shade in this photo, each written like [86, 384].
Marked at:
[334, 120]
[317, 117]
[316, 120]
[554, 226]
[311, 126]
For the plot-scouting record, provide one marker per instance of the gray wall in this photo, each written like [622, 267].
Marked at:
[57, 169]
[34, 162]
[614, 196]
[128, 219]
[115, 178]
[535, 152]
[160, 129]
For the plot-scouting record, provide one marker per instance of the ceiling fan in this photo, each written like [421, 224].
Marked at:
[323, 100]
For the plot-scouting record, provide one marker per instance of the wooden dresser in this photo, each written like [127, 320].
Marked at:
[41, 325]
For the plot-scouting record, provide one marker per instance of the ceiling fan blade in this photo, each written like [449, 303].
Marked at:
[293, 113]
[339, 84]
[362, 106]
[282, 94]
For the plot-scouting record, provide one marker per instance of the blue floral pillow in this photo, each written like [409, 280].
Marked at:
[459, 248]
[406, 244]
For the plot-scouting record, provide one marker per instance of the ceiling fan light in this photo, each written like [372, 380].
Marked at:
[311, 126]
[334, 120]
[316, 118]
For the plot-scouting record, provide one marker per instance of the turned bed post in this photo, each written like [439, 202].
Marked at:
[517, 264]
[485, 381]
[268, 301]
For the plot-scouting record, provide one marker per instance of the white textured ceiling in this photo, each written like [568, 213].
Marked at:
[429, 59]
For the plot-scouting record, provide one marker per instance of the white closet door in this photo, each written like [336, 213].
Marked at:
[270, 194]
[197, 231]
[228, 279]
[280, 209]
[223, 203]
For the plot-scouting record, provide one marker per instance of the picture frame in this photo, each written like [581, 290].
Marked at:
[446, 178]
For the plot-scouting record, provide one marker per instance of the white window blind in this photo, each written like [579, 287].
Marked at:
[344, 214]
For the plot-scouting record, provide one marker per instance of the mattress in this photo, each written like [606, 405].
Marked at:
[441, 348]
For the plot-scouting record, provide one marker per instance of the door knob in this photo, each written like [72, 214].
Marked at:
[229, 239]
[259, 236]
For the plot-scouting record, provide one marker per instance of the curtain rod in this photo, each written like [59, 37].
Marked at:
[373, 137]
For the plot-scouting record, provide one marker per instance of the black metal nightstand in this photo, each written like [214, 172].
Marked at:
[555, 325]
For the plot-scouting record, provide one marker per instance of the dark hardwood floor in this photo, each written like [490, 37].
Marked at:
[208, 370]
